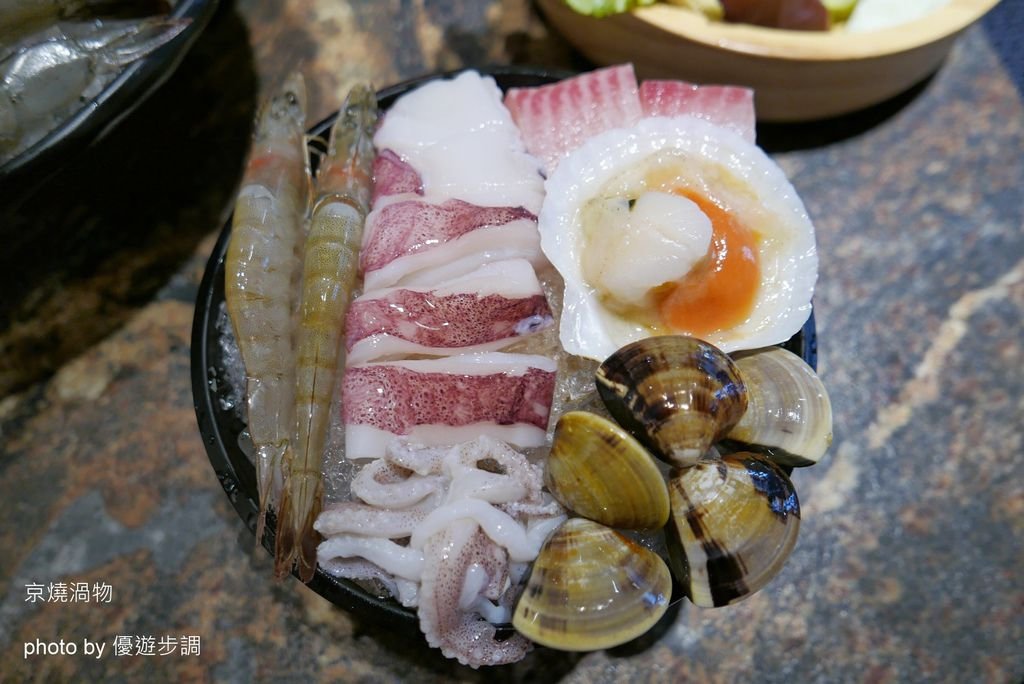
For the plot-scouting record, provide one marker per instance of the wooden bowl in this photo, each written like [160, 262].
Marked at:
[796, 75]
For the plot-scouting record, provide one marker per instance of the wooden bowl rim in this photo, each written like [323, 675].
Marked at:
[835, 45]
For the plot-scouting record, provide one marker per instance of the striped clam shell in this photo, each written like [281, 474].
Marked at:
[789, 415]
[676, 394]
[596, 469]
[591, 588]
[734, 522]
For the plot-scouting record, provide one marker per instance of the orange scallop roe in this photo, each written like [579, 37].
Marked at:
[719, 292]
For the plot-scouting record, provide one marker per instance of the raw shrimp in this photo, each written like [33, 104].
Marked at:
[344, 184]
[19, 17]
[261, 262]
[53, 73]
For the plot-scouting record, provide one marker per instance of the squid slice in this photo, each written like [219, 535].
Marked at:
[461, 140]
[484, 310]
[415, 241]
[393, 176]
[446, 401]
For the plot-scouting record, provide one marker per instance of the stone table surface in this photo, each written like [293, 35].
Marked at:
[908, 566]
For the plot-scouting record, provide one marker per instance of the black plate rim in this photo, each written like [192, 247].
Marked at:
[127, 91]
[343, 593]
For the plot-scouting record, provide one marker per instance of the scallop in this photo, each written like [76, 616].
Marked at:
[677, 225]
[676, 394]
[592, 588]
[789, 414]
[734, 523]
[596, 469]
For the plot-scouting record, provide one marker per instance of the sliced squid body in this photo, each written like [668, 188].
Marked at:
[455, 187]
[447, 401]
[629, 235]
[484, 310]
[414, 241]
[392, 175]
[461, 141]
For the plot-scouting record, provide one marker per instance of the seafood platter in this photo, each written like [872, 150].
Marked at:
[71, 69]
[515, 358]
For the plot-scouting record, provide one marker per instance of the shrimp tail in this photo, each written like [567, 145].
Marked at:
[329, 277]
[296, 540]
[268, 464]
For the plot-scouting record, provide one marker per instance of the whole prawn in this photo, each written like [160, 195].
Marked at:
[260, 265]
[344, 184]
[49, 75]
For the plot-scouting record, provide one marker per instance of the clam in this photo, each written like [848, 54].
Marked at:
[789, 416]
[591, 588]
[678, 395]
[734, 522]
[598, 470]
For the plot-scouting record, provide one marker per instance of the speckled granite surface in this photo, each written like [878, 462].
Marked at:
[908, 566]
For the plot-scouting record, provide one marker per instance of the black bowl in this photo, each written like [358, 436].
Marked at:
[100, 115]
[221, 427]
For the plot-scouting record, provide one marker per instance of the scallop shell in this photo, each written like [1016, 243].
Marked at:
[676, 394]
[734, 522]
[789, 415]
[592, 588]
[597, 470]
[686, 152]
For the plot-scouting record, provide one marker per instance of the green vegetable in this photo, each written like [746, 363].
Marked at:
[712, 9]
[838, 10]
[602, 8]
